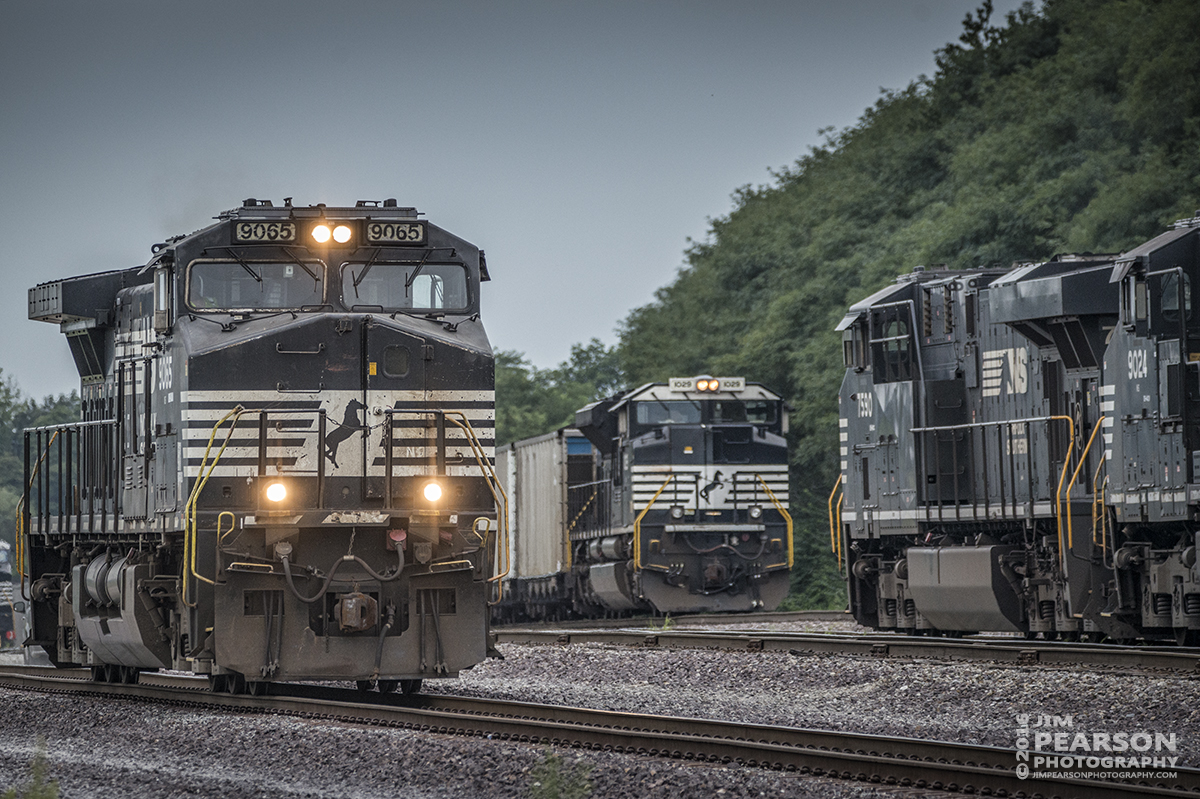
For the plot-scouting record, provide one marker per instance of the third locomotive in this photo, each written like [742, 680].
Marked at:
[1020, 449]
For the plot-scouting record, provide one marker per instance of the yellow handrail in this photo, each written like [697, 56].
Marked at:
[832, 526]
[637, 524]
[840, 501]
[1062, 555]
[571, 526]
[1075, 476]
[189, 509]
[20, 528]
[1099, 514]
[499, 496]
[786, 516]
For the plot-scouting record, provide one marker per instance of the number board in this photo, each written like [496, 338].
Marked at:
[264, 231]
[396, 232]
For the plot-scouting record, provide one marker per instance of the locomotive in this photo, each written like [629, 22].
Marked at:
[284, 465]
[670, 498]
[1020, 449]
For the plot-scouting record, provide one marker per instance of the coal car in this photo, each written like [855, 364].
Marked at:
[670, 498]
[1020, 448]
[283, 466]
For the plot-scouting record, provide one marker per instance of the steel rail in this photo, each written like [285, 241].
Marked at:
[695, 619]
[1011, 650]
[878, 759]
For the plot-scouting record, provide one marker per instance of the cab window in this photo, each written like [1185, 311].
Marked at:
[255, 285]
[403, 287]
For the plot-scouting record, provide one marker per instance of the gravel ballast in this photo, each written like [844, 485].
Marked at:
[127, 749]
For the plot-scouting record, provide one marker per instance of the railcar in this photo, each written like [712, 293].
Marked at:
[284, 465]
[670, 498]
[1020, 449]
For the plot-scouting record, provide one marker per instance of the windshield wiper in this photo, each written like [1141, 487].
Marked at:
[302, 265]
[245, 265]
[366, 268]
[408, 283]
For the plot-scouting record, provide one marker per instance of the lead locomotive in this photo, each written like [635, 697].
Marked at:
[284, 465]
[1020, 450]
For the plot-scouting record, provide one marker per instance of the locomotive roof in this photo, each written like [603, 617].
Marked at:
[662, 391]
[1141, 253]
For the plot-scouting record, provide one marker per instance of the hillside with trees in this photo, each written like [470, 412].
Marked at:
[1068, 128]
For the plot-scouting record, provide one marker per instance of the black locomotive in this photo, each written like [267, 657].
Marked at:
[283, 469]
[670, 498]
[1020, 449]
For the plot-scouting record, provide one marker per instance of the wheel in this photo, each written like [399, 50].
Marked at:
[129, 675]
[235, 683]
[365, 685]
[99, 674]
[216, 683]
[388, 686]
[257, 687]
[1186, 637]
[410, 687]
[112, 672]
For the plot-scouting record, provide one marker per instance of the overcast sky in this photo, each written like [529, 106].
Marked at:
[581, 144]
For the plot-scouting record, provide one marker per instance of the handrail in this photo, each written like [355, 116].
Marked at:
[189, 508]
[832, 528]
[571, 526]
[787, 517]
[23, 504]
[1062, 555]
[499, 496]
[637, 523]
[1075, 476]
[1099, 512]
[840, 502]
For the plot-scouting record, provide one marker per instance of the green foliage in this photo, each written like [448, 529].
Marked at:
[552, 778]
[38, 786]
[532, 401]
[17, 413]
[1073, 128]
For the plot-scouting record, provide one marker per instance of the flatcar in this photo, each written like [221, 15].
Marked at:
[1020, 449]
[283, 468]
[670, 498]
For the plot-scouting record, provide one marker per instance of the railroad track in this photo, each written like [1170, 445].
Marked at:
[697, 619]
[991, 649]
[983, 770]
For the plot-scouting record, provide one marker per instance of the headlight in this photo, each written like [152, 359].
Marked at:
[321, 233]
[702, 385]
[755, 512]
[433, 491]
[341, 234]
[276, 492]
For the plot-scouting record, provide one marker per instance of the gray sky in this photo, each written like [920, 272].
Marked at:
[580, 144]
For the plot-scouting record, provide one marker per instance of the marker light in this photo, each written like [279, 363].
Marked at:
[755, 512]
[433, 492]
[276, 492]
[341, 234]
[321, 233]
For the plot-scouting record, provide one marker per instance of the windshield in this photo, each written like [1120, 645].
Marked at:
[656, 412]
[752, 411]
[403, 287]
[254, 285]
